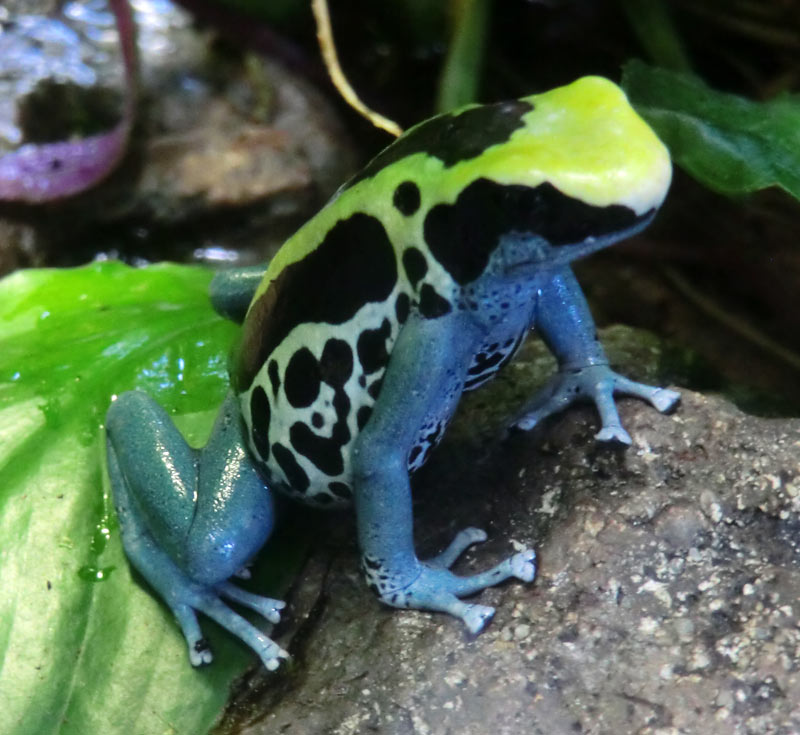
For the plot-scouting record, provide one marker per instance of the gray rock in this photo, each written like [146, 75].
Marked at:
[665, 601]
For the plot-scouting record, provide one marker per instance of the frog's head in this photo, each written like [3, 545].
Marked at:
[577, 170]
[586, 142]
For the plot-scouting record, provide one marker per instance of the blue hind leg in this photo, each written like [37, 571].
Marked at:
[190, 519]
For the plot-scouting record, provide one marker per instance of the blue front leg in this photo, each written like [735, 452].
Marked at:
[423, 381]
[190, 519]
[568, 329]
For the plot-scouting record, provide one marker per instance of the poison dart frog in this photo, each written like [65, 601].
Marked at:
[418, 281]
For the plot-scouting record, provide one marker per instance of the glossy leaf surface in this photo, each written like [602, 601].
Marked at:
[84, 646]
[729, 143]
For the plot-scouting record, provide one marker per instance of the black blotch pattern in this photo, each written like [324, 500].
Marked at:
[486, 366]
[370, 563]
[375, 389]
[295, 475]
[371, 347]
[402, 307]
[340, 490]
[353, 265]
[302, 379]
[316, 420]
[407, 198]
[483, 362]
[322, 451]
[415, 265]
[363, 416]
[325, 452]
[274, 378]
[462, 236]
[435, 435]
[414, 454]
[431, 304]
[452, 138]
[260, 416]
[336, 363]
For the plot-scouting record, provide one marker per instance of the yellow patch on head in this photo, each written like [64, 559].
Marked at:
[588, 142]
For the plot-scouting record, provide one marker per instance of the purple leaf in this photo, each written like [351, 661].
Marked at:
[37, 173]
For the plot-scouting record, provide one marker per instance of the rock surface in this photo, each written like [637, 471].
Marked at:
[230, 155]
[665, 602]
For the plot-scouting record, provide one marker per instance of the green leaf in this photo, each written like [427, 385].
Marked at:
[731, 144]
[84, 646]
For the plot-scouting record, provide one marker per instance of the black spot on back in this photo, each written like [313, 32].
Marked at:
[260, 416]
[324, 452]
[407, 198]
[302, 379]
[431, 304]
[295, 475]
[354, 265]
[463, 235]
[274, 378]
[452, 138]
[415, 265]
[317, 421]
[363, 416]
[336, 363]
[375, 389]
[340, 490]
[402, 307]
[371, 346]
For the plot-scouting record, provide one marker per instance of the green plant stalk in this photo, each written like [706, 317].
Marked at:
[459, 81]
[653, 26]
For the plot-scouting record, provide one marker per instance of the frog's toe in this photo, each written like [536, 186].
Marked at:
[462, 541]
[264, 606]
[272, 657]
[476, 617]
[613, 433]
[662, 399]
[665, 399]
[199, 650]
[551, 400]
[523, 565]
[200, 653]
[267, 650]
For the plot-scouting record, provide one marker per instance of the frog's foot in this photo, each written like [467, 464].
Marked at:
[597, 383]
[188, 597]
[436, 588]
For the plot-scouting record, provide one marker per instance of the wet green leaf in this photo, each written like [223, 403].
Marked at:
[84, 646]
[730, 144]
